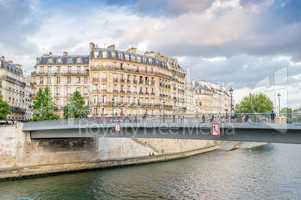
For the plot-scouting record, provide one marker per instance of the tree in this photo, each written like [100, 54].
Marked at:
[76, 107]
[286, 111]
[255, 103]
[4, 109]
[43, 106]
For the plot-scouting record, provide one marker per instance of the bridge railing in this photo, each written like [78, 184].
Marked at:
[202, 118]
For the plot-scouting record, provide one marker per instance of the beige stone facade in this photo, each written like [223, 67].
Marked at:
[126, 83]
[211, 98]
[15, 89]
[115, 83]
[63, 75]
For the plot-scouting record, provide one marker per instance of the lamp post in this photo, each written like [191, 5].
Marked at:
[163, 110]
[231, 101]
[113, 102]
[279, 95]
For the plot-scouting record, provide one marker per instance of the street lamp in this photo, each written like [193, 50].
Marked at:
[113, 102]
[163, 110]
[279, 95]
[231, 100]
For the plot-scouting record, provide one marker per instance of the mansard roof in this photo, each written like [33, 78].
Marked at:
[61, 60]
[159, 60]
[11, 67]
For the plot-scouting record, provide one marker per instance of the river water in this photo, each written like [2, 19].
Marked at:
[267, 172]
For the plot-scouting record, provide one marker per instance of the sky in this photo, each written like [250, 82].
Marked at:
[250, 45]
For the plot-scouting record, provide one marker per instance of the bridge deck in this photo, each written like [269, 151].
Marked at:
[252, 132]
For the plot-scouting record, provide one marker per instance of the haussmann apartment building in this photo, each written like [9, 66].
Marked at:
[15, 89]
[119, 83]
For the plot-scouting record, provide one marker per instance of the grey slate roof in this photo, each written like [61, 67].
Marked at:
[10, 67]
[59, 60]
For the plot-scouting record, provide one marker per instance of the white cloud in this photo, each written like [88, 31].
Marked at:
[216, 40]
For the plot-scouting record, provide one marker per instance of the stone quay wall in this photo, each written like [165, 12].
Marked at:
[21, 156]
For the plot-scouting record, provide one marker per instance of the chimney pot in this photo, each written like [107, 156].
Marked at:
[92, 45]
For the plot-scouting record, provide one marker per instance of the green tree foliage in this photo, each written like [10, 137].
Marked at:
[255, 103]
[286, 111]
[43, 106]
[4, 109]
[76, 107]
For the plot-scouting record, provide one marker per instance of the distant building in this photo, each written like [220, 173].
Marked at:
[62, 74]
[211, 97]
[190, 100]
[15, 89]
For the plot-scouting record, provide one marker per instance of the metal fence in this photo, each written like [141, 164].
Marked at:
[203, 118]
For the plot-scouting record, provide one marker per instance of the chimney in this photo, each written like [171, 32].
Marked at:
[132, 50]
[92, 46]
[65, 53]
[111, 47]
[19, 66]
[2, 61]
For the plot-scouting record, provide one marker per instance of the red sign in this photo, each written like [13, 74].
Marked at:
[216, 129]
[117, 128]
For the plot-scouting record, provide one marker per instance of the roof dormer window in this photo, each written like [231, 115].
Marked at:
[104, 54]
[50, 60]
[96, 53]
[113, 54]
[127, 57]
[120, 56]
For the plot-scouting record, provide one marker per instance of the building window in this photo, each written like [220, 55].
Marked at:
[69, 80]
[57, 91]
[48, 80]
[41, 69]
[70, 60]
[69, 69]
[78, 79]
[58, 69]
[58, 80]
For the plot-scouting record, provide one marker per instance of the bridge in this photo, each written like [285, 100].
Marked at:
[171, 129]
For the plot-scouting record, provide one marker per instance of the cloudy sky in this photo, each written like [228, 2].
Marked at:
[250, 45]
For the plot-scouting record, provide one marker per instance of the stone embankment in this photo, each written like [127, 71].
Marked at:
[21, 156]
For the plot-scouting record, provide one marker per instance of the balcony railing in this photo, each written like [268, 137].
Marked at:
[62, 72]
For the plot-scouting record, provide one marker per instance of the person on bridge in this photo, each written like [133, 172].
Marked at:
[203, 118]
[273, 115]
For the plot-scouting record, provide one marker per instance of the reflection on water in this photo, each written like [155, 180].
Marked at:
[267, 172]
